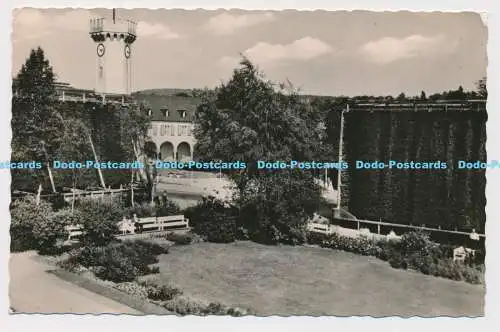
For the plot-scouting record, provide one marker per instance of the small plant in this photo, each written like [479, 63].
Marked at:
[160, 292]
[134, 289]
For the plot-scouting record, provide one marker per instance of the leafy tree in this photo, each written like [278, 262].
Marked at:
[422, 95]
[36, 125]
[135, 123]
[401, 97]
[76, 147]
[481, 88]
[251, 119]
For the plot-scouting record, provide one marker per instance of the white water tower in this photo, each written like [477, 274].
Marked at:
[113, 39]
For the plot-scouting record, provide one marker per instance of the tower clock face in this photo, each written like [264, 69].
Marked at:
[127, 51]
[100, 50]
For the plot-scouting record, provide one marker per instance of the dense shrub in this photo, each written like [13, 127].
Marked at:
[186, 306]
[50, 233]
[24, 215]
[160, 208]
[214, 221]
[167, 208]
[120, 262]
[178, 238]
[99, 219]
[397, 261]
[275, 206]
[37, 226]
[145, 209]
[158, 292]
[315, 238]
[360, 245]
[414, 251]
[414, 242]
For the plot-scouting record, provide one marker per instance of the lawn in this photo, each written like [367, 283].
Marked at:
[312, 281]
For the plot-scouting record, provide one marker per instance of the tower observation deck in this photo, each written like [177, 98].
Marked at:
[113, 38]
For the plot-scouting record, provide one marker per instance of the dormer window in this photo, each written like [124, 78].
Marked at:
[150, 112]
[183, 113]
[164, 110]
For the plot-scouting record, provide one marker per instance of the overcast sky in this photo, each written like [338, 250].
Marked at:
[329, 53]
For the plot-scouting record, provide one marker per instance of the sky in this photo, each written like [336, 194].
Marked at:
[320, 52]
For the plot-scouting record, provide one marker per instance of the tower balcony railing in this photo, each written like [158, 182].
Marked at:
[103, 25]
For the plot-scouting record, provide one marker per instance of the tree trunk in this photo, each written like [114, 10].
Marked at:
[146, 172]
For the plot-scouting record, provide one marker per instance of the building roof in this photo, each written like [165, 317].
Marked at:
[175, 105]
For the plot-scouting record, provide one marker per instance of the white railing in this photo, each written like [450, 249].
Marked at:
[328, 229]
[68, 197]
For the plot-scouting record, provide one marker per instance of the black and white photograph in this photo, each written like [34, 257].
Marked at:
[248, 162]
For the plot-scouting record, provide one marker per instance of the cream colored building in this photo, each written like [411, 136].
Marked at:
[172, 124]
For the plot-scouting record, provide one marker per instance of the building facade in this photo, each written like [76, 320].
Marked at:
[172, 124]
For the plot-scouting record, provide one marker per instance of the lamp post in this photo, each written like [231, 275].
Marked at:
[339, 172]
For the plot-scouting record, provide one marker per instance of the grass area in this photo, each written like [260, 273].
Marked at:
[312, 281]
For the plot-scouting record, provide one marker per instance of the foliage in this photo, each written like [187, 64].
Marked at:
[120, 262]
[38, 227]
[359, 245]
[457, 199]
[250, 119]
[35, 124]
[161, 292]
[143, 210]
[99, 219]
[166, 207]
[45, 130]
[414, 251]
[51, 229]
[414, 243]
[275, 206]
[186, 306]
[134, 289]
[214, 221]
[26, 215]
[76, 147]
[181, 239]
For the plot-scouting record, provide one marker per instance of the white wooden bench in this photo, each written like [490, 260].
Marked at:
[148, 224]
[319, 228]
[160, 223]
[74, 231]
[172, 221]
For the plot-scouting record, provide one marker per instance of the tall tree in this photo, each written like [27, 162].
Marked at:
[36, 125]
[250, 119]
